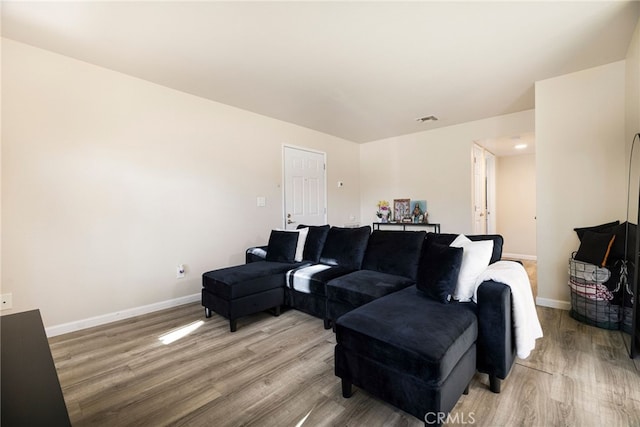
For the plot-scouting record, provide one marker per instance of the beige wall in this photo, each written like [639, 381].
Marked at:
[632, 123]
[434, 166]
[516, 204]
[109, 182]
[580, 158]
[1, 185]
[633, 85]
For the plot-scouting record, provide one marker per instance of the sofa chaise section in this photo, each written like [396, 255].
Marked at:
[238, 291]
[241, 290]
[408, 350]
[418, 348]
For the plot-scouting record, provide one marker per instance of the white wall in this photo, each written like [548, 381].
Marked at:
[434, 166]
[516, 204]
[633, 86]
[580, 158]
[1, 185]
[108, 182]
[632, 123]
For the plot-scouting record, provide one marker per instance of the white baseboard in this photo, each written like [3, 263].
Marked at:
[65, 328]
[520, 256]
[553, 303]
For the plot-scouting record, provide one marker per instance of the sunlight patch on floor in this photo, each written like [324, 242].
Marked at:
[182, 332]
[301, 422]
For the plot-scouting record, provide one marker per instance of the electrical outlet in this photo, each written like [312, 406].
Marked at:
[180, 271]
[6, 301]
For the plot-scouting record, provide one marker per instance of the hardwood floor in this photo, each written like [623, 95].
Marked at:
[278, 371]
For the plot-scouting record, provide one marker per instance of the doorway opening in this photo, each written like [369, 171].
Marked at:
[505, 192]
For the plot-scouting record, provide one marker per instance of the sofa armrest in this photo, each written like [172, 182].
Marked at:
[256, 253]
[496, 344]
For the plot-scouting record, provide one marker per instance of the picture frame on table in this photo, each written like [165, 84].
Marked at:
[418, 211]
[401, 209]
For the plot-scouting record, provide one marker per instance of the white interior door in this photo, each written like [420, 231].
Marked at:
[490, 172]
[304, 188]
[479, 195]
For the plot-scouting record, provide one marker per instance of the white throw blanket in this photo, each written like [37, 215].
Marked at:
[525, 318]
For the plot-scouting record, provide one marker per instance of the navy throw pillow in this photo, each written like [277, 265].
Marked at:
[315, 241]
[608, 227]
[595, 248]
[438, 271]
[282, 246]
[618, 249]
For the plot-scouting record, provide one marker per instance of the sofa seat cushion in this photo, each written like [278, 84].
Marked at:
[363, 286]
[312, 279]
[411, 333]
[247, 279]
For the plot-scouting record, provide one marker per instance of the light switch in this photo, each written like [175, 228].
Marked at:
[261, 201]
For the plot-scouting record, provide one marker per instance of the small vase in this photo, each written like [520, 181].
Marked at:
[385, 216]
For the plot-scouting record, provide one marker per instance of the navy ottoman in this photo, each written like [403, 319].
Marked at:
[408, 350]
[245, 289]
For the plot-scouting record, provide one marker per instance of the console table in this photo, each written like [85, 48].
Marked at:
[31, 394]
[404, 225]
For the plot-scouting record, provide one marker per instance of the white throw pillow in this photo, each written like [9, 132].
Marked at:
[302, 237]
[475, 259]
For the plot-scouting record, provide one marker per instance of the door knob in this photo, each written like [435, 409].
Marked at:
[290, 222]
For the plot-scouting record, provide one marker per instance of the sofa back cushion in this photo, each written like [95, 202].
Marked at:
[345, 247]
[394, 252]
[316, 238]
[447, 239]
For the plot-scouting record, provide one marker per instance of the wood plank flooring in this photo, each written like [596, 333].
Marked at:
[278, 371]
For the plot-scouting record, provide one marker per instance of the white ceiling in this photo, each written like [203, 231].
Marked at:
[510, 145]
[358, 70]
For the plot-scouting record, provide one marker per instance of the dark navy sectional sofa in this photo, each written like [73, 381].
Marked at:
[393, 340]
